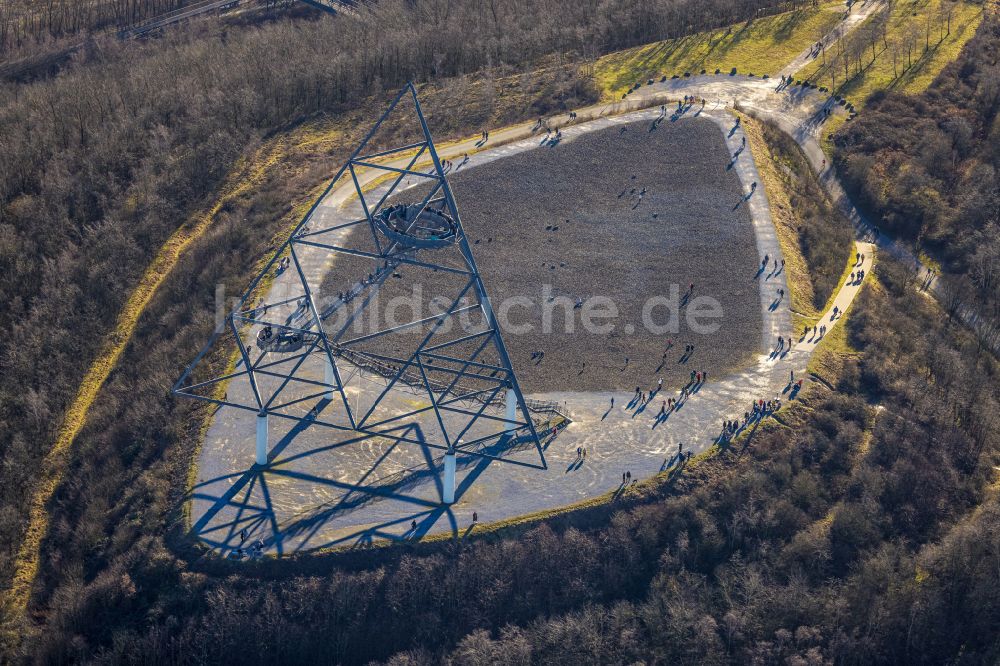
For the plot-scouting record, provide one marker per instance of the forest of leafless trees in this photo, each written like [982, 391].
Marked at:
[24, 23]
[806, 545]
[926, 167]
[102, 162]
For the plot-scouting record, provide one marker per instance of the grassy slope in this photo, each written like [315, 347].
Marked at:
[926, 64]
[814, 274]
[762, 47]
[800, 283]
[830, 128]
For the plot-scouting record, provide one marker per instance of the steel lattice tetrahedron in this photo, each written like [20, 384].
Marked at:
[323, 349]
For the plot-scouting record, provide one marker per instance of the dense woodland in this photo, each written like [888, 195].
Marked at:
[805, 543]
[31, 26]
[927, 168]
[28, 27]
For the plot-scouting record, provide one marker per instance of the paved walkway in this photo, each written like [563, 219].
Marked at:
[317, 493]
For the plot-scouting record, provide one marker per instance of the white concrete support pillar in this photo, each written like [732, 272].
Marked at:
[511, 411]
[329, 378]
[448, 494]
[262, 438]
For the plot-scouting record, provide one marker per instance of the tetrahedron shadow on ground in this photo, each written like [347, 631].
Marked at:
[331, 353]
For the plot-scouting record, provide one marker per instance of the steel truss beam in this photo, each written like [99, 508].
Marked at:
[491, 378]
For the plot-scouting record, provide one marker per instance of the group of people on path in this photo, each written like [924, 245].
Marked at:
[816, 332]
[759, 410]
[779, 267]
[254, 551]
[641, 399]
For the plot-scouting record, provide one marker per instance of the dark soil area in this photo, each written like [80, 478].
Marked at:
[571, 216]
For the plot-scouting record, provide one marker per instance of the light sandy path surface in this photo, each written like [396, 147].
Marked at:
[316, 493]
